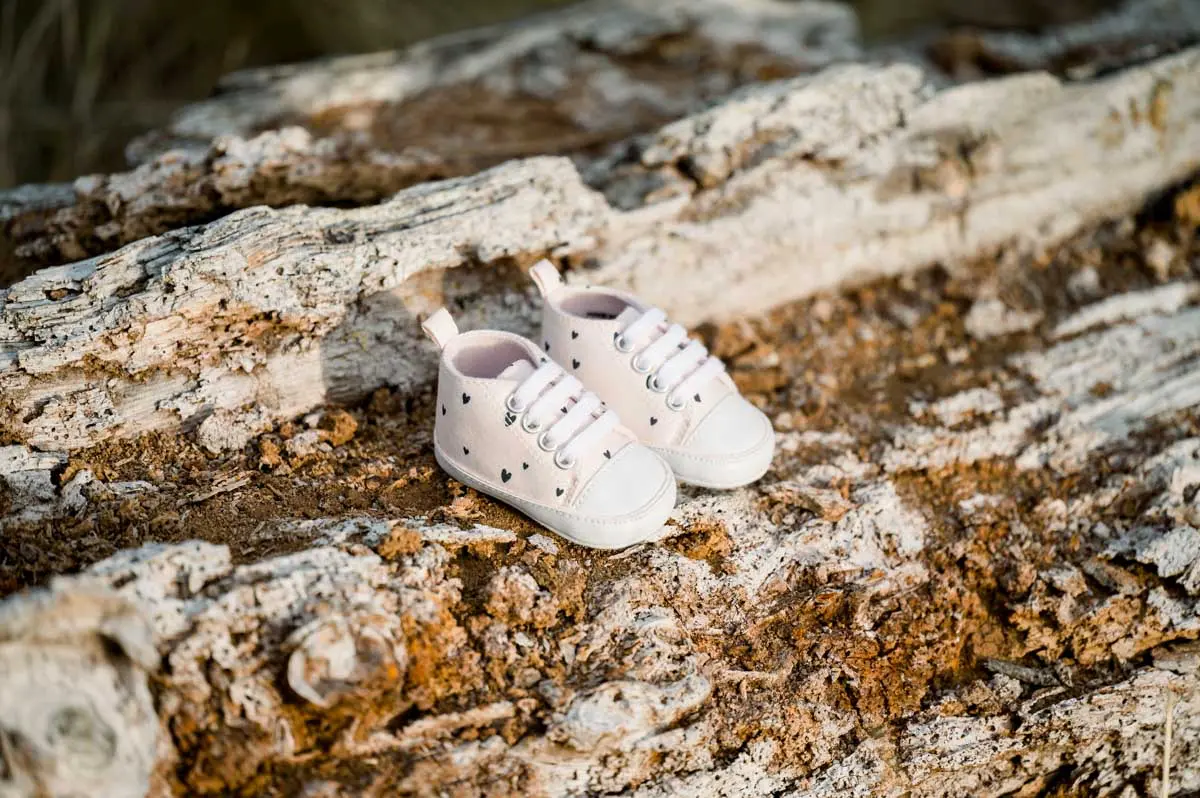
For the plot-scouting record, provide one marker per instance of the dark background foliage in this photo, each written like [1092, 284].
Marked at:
[79, 78]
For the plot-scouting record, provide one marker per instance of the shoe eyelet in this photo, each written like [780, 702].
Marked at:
[513, 406]
[653, 384]
[563, 461]
[544, 443]
[622, 345]
[529, 425]
[636, 364]
[675, 403]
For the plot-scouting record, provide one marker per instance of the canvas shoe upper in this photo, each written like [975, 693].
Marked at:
[513, 424]
[675, 396]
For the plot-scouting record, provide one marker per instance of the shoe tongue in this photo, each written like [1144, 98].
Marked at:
[517, 371]
[629, 315]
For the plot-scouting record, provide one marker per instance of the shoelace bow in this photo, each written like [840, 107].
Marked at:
[674, 362]
[539, 400]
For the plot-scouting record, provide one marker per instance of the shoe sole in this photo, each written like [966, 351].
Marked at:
[528, 509]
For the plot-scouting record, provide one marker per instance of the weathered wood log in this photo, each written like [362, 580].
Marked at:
[359, 129]
[974, 568]
[793, 639]
[1081, 49]
[781, 190]
[355, 130]
[76, 716]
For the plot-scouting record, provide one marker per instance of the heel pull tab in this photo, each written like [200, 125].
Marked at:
[546, 277]
[440, 328]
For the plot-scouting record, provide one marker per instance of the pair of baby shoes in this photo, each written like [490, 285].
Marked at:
[592, 448]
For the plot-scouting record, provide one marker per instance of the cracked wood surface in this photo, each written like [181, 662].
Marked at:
[897, 609]
[355, 130]
[974, 567]
[781, 190]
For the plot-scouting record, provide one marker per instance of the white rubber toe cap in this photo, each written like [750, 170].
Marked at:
[732, 446]
[626, 502]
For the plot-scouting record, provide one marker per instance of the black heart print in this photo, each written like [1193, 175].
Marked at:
[653, 421]
[697, 398]
[466, 450]
[558, 491]
[509, 418]
[608, 454]
[466, 398]
[443, 410]
[574, 335]
[524, 466]
[574, 362]
[505, 475]
[547, 345]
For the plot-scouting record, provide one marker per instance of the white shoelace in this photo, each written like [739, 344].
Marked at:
[539, 399]
[674, 363]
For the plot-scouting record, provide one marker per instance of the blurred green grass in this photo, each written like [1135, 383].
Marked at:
[80, 78]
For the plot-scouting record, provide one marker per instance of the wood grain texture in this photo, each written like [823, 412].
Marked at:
[356, 130]
[973, 569]
[780, 191]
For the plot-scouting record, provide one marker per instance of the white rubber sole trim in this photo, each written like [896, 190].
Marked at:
[721, 474]
[628, 531]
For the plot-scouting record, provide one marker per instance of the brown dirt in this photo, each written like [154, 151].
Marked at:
[707, 540]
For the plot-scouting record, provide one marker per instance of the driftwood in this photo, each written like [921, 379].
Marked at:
[359, 129]
[974, 568]
[782, 190]
[786, 640]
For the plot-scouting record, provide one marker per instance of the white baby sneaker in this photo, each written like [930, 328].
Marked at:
[667, 389]
[513, 424]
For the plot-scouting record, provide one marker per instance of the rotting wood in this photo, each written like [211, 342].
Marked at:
[355, 130]
[779, 191]
[897, 608]
[76, 715]
[973, 570]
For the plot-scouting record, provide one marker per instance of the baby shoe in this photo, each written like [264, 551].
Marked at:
[513, 424]
[668, 390]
